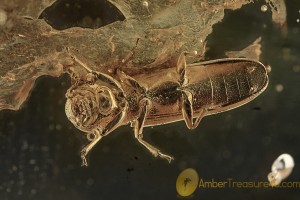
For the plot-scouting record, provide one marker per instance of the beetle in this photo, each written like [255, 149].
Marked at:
[101, 103]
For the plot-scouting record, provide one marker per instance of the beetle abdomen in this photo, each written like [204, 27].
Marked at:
[224, 84]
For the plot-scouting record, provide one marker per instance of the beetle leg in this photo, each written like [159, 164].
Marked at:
[115, 123]
[93, 137]
[181, 66]
[97, 134]
[138, 132]
[188, 111]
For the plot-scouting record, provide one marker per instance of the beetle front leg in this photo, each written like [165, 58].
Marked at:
[94, 138]
[188, 111]
[97, 134]
[138, 125]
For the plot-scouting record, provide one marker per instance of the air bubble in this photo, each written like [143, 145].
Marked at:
[32, 162]
[58, 127]
[296, 68]
[33, 191]
[90, 181]
[146, 4]
[264, 8]
[279, 88]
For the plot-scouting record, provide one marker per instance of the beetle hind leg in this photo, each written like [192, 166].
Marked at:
[181, 66]
[138, 129]
[188, 111]
[187, 97]
[156, 152]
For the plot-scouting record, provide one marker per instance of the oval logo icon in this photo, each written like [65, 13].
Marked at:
[187, 182]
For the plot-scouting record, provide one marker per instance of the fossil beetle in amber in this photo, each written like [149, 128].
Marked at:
[102, 103]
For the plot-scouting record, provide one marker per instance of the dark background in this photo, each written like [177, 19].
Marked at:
[40, 148]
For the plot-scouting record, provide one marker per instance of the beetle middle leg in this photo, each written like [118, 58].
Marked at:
[138, 125]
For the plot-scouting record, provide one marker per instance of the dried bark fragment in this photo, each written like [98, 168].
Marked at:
[278, 11]
[253, 51]
[148, 39]
[26, 8]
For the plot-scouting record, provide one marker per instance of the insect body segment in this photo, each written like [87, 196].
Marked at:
[183, 92]
[224, 84]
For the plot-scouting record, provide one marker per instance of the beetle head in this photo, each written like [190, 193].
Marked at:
[95, 104]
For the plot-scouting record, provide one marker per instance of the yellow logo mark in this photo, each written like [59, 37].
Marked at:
[187, 182]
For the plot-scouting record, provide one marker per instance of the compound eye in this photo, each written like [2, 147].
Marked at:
[106, 101]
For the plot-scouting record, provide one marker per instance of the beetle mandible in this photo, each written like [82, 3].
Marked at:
[101, 103]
